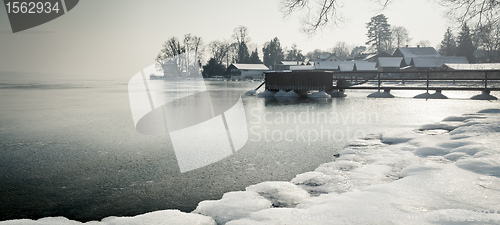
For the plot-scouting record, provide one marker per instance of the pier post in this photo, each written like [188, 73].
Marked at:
[379, 82]
[427, 82]
[486, 80]
[485, 95]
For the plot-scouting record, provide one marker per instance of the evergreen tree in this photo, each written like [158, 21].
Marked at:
[243, 55]
[379, 33]
[448, 44]
[254, 57]
[213, 68]
[465, 46]
[273, 53]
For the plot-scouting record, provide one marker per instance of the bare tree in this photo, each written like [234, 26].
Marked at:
[294, 54]
[170, 49]
[194, 44]
[342, 50]
[240, 34]
[320, 13]
[424, 43]
[480, 12]
[489, 37]
[400, 36]
[219, 50]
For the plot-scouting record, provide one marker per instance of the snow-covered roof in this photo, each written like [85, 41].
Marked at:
[389, 62]
[407, 61]
[291, 63]
[376, 56]
[478, 66]
[346, 66]
[365, 66]
[310, 67]
[416, 52]
[427, 62]
[250, 66]
[327, 65]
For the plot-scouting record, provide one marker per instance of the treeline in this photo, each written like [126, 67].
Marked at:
[481, 44]
[224, 53]
[478, 45]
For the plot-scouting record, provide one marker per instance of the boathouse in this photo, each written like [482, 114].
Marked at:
[247, 70]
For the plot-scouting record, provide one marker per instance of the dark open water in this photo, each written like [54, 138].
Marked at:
[69, 147]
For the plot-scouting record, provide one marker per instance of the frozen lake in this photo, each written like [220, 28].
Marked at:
[69, 147]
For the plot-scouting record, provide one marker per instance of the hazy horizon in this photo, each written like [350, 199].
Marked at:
[116, 39]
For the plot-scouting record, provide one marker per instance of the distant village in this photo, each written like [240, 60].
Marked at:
[387, 52]
[404, 59]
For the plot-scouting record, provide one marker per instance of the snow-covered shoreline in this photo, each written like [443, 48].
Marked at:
[443, 173]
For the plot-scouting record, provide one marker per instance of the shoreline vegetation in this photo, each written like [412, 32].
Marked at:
[446, 172]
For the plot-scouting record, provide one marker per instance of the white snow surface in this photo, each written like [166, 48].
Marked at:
[442, 173]
[153, 218]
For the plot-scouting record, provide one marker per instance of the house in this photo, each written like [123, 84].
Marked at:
[416, 52]
[325, 56]
[364, 66]
[389, 64]
[246, 70]
[412, 52]
[285, 65]
[477, 66]
[373, 57]
[169, 68]
[302, 67]
[327, 65]
[346, 66]
[426, 63]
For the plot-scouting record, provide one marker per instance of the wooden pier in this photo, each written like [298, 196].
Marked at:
[329, 81]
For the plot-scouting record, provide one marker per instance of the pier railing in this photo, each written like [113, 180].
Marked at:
[446, 79]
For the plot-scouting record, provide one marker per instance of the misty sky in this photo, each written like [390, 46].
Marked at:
[110, 38]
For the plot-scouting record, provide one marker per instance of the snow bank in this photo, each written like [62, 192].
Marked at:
[442, 173]
[233, 205]
[158, 217]
[281, 194]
